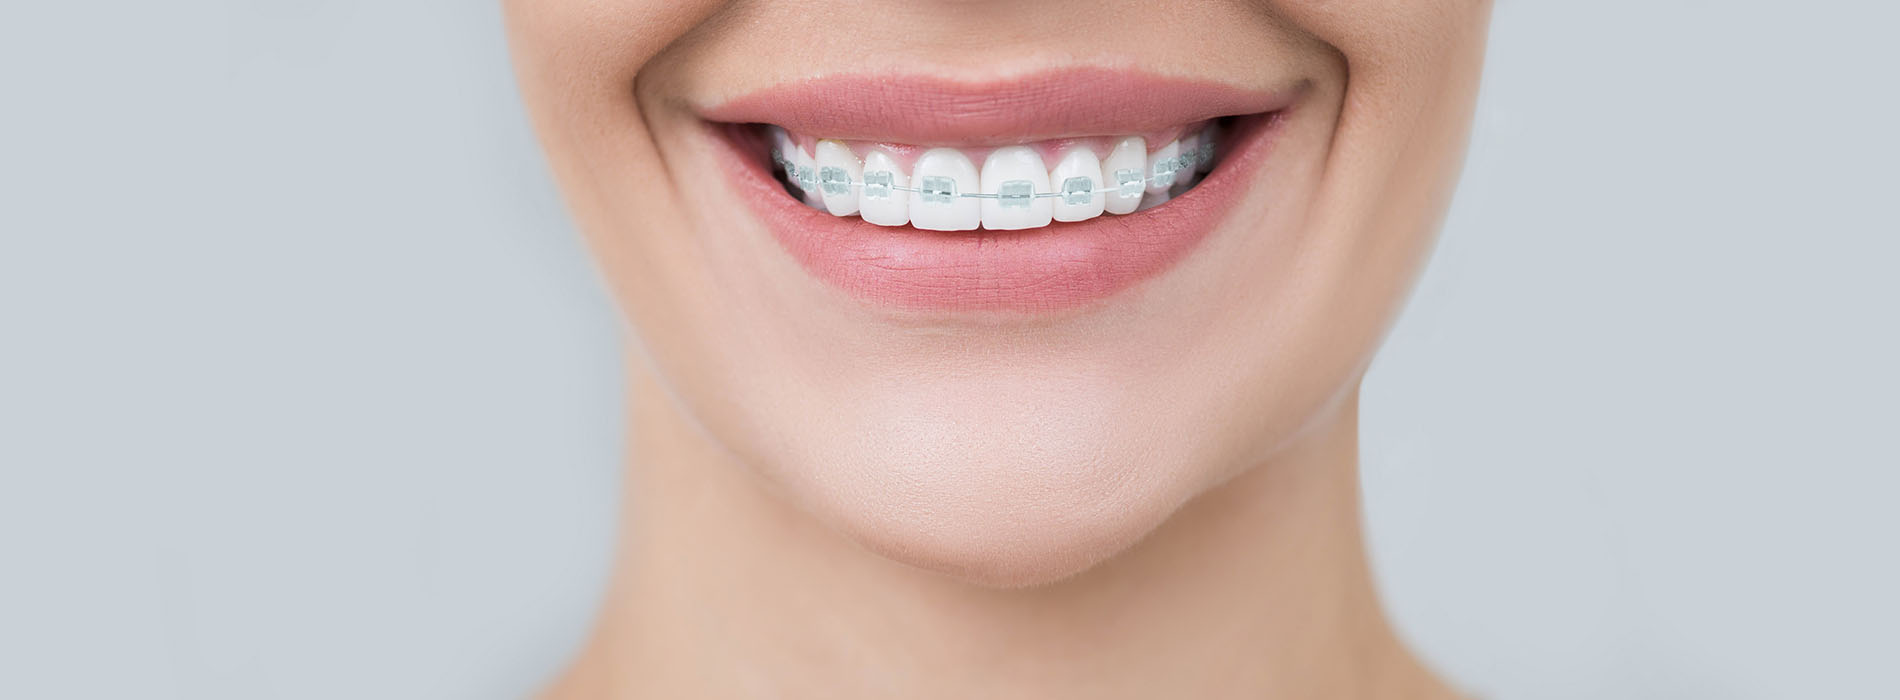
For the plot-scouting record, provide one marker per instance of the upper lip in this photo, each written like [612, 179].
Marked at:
[936, 111]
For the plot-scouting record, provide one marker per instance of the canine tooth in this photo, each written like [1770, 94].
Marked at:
[880, 202]
[1154, 199]
[1015, 174]
[780, 141]
[839, 174]
[804, 174]
[1129, 159]
[1164, 167]
[781, 152]
[939, 176]
[1076, 177]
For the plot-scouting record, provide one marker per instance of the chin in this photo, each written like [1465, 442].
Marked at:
[991, 502]
[1011, 480]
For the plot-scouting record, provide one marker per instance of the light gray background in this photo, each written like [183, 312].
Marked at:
[307, 389]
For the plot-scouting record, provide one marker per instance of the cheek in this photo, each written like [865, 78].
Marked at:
[577, 58]
[1386, 31]
[1411, 78]
[578, 64]
[605, 39]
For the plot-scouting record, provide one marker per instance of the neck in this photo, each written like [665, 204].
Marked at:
[1257, 588]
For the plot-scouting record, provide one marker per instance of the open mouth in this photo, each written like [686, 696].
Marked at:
[942, 189]
[1033, 194]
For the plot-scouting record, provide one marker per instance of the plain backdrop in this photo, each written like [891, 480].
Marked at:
[307, 389]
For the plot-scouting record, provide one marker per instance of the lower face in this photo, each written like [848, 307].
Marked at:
[993, 288]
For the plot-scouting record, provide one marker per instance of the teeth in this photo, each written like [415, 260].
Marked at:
[781, 141]
[838, 173]
[1190, 153]
[1016, 189]
[1209, 137]
[802, 172]
[938, 177]
[884, 203]
[1162, 168]
[1015, 175]
[1077, 163]
[1129, 159]
[782, 149]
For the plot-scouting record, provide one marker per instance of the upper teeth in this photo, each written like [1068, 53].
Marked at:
[944, 190]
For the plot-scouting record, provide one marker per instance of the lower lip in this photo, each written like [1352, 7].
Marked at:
[1054, 268]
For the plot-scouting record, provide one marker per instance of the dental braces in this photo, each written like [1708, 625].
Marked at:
[1012, 194]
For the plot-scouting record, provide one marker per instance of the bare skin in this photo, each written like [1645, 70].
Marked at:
[1259, 588]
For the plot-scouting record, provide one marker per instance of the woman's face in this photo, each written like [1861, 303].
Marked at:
[1007, 389]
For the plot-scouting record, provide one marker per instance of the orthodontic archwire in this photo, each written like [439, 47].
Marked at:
[938, 189]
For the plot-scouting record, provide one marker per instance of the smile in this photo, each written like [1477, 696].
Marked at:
[1090, 181]
[1014, 190]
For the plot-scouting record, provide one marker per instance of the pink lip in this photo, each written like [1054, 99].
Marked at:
[1035, 270]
